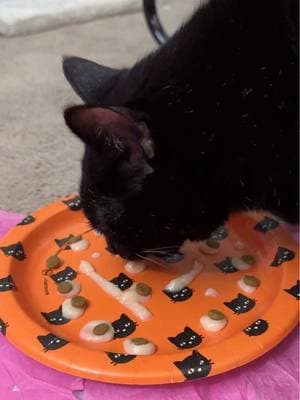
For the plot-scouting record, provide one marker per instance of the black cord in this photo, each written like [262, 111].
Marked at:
[153, 22]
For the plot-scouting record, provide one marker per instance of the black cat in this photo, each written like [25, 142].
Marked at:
[74, 204]
[294, 290]
[3, 326]
[27, 220]
[257, 328]
[226, 266]
[122, 281]
[7, 283]
[186, 339]
[61, 242]
[282, 256]
[229, 75]
[194, 366]
[118, 358]
[51, 342]
[14, 250]
[241, 304]
[267, 224]
[183, 295]
[66, 274]
[124, 326]
[55, 317]
[220, 233]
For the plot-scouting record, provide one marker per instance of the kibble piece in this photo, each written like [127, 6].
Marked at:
[53, 262]
[251, 280]
[213, 244]
[248, 259]
[64, 287]
[101, 329]
[79, 302]
[139, 341]
[143, 289]
[215, 315]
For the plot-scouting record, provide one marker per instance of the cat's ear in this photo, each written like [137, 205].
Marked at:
[110, 133]
[88, 79]
[178, 364]
[196, 353]
[187, 329]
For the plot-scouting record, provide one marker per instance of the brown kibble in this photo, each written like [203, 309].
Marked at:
[248, 259]
[143, 289]
[54, 262]
[100, 329]
[251, 280]
[216, 315]
[64, 287]
[139, 341]
[213, 244]
[79, 302]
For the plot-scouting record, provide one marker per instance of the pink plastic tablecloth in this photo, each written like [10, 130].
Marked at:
[274, 376]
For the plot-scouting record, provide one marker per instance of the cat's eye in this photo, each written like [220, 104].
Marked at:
[199, 369]
[182, 343]
[128, 324]
[193, 337]
[191, 370]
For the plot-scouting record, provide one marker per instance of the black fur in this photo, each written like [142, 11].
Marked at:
[220, 102]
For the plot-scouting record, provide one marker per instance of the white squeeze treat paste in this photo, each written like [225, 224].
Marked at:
[212, 325]
[177, 284]
[96, 255]
[70, 312]
[86, 332]
[76, 287]
[246, 288]
[82, 244]
[134, 267]
[139, 350]
[111, 289]
[239, 264]
[239, 245]
[130, 295]
[211, 292]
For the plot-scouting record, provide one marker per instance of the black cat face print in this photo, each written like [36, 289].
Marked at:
[14, 250]
[226, 266]
[186, 339]
[6, 284]
[68, 274]
[220, 233]
[294, 290]
[51, 342]
[74, 204]
[267, 224]
[124, 326]
[241, 304]
[257, 328]
[183, 295]
[195, 366]
[283, 255]
[122, 281]
[27, 220]
[118, 358]
[3, 326]
[55, 317]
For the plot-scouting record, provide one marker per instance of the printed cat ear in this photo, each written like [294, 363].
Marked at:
[88, 79]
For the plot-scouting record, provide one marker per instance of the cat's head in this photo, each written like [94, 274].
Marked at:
[186, 339]
[241, 304]
[194, 366]
[135, 186]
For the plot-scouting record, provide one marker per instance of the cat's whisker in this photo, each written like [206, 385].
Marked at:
[151, 260]
[162, 248]
[165, 253]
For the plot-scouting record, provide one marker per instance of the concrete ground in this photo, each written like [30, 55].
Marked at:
[40, 159]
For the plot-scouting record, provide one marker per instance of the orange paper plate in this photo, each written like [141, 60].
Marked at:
[270, 313]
